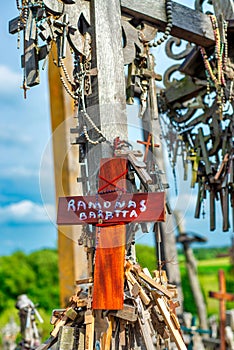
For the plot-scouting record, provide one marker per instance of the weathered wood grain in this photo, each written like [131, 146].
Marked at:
[13, 25]
[109, 268]
[188, 24]
[224, 7]
[106, 106]
[222, 296]
[183, 90]
[111, 169]
[167, 315]
[30, 63]
[108, 287]
[54, 6]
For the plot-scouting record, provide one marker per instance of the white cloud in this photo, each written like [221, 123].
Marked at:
[9, 80]
[25, 212]
[19, 171]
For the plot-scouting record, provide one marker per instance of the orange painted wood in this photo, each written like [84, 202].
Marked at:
[108, 287]
[222, 296]
[111, 168]
[115, 208]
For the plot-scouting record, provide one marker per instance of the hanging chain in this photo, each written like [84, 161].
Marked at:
[168, 26]
[102, 138]
[66, 73]
[216, 76]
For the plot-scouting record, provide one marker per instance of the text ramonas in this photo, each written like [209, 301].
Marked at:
[107, 210]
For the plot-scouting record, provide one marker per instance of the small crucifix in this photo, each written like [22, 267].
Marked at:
[222, 296]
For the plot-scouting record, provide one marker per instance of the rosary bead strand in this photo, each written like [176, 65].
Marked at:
[168, 26]
[216, 76]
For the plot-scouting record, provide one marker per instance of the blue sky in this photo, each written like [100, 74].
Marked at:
[24, 136]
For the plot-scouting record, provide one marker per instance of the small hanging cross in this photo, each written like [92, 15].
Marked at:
[25, 87]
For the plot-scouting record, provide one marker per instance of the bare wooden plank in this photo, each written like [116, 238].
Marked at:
[72, 257]
[13, 25]
[188, 24]
[30, 63]
[107, 104]
[170, 321]
[128, 313]
[108, 288]
[182, 91]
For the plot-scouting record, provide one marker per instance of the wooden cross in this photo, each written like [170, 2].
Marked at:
[148, 144]
[110, 210]
[222, 296]
[188, 24]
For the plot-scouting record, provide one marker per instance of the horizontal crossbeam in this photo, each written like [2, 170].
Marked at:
[222, 296]
[191, 25]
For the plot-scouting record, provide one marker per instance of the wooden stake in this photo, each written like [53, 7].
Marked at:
[222, 296]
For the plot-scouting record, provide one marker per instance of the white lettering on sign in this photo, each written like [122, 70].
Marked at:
[100, 214]
[119, 204]
[107, 204]
[109, 215]
[117, 212]
[124, 212]
[91, 210]
[83, 216]
[71, 205]
[132, 204]
[94, 205]
[81, 204]
[133, 214]
[142, 206]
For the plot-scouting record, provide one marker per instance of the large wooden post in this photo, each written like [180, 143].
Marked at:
[72, 259]
[107, 108]
[106, 104]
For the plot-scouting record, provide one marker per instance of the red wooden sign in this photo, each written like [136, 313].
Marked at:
[111, 208]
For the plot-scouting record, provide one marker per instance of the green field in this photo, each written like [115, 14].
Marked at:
[208, 277]
[208, 267]
[36, 274]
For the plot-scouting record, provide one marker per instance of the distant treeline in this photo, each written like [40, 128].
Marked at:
[36, 274]
[208, 253]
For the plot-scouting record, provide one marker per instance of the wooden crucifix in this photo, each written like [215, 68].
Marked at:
[110, 210]
[222, 296]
